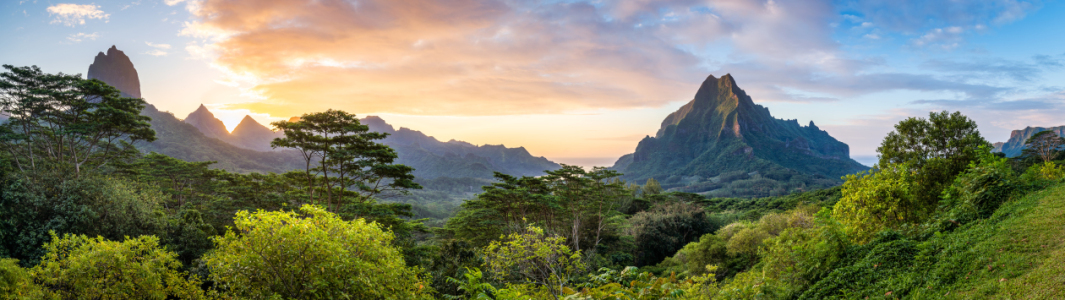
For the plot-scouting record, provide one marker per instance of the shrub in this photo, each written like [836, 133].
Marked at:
[877, 200]
[79, 267]
[310, 255]
[666, 228]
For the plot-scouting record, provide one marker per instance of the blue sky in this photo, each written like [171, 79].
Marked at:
[576, 81]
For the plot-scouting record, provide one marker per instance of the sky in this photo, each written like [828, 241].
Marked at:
[579, 82]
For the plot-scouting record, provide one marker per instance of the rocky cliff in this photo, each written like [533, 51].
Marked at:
[722, 134]
[1015, 145]
[116, 69]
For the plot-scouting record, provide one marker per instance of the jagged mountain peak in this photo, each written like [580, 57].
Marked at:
[722, 130]
[116, 69]
[248, 123]
[205, 121]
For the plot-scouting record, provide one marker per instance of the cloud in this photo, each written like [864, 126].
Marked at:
[916, 16]
[156, 52]
[493, 57]
[172, 2]
[78, 37]
[489, 57]
[159, 46]
[74, 14]
[993, 68]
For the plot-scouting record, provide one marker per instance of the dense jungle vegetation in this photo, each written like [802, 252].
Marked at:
[85, 215]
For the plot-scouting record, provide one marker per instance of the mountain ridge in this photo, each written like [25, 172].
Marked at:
[1015, 145]
[722, 136]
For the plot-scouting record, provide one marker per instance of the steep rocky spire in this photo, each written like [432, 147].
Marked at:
[116, 69]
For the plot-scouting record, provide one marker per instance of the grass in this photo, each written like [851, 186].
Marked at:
[1017, 253]
[1025, 251]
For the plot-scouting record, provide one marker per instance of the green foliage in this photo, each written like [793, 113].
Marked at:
[629, 283]
[1047, 171]
[343, 153]
[978, 191]
[878, 200]
[62, 123]
[310, 255]
[935, 149]
[79, 267]
[17, 284]
[1044, 144]
[666, 228]
[533, 257]
[93, 205]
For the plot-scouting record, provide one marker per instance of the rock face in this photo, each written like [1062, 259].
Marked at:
[1015, 145]
[116, 69]
[721, 131]
[205, 121]
[249, 134]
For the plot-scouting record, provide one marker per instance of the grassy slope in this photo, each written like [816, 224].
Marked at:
[1018, 253]
[1026, 250]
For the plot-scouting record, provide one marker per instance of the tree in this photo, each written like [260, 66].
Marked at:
[310, 255]
[62, 123]
[1044, 144]
[666, 228]
[92, 205]
[535, 258]
[79, 267]
[937, 149]
[652, 187]
[16, 283]
[340, 153]
[879, 199]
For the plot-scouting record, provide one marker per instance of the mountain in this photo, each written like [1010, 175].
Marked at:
[183, 140]
[722, 144]
[432, 158]
[249, 134]
[205, 121]
[1014, 146]
[116, 69]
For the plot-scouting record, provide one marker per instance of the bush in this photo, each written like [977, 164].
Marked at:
[666, 228]
[16, 283]
[310, 255]
[978, 191]
[90, 205]
[79, 267]
[878, 200]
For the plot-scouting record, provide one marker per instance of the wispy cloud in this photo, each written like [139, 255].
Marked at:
[159, 46]
[75, 14]
[78, 37]
[156, 52]
[488, 57]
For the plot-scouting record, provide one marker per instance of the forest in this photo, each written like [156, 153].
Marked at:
[85, 214]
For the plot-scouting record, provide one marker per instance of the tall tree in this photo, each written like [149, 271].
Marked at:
[937, 148]
[63, 123]
[343, 158]
[1044, 144]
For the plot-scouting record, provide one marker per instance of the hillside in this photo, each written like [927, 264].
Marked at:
[1014, 146]
[722, 144]
[184, 141]
[1017, 253]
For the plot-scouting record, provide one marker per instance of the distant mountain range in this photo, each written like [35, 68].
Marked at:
[1015, 145]
[249, 134]
[203, 137]
[723, 144]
